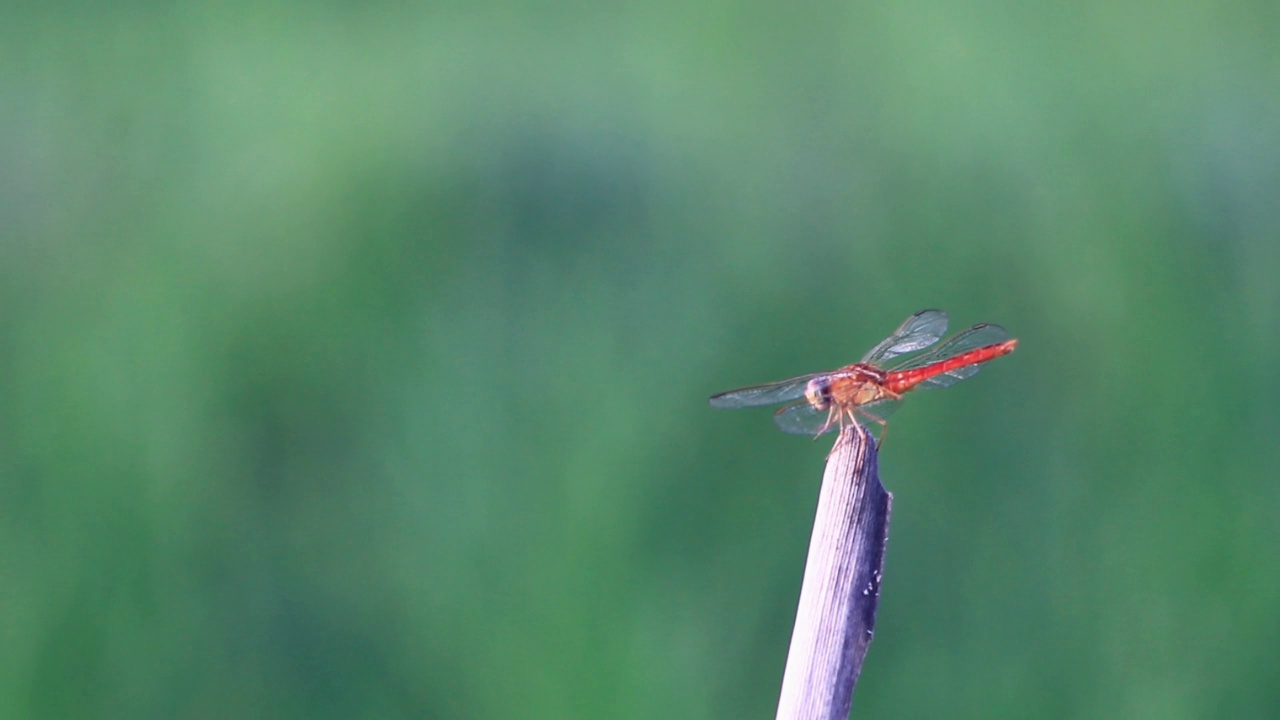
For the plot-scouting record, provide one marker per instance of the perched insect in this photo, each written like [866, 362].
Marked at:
[868, 389]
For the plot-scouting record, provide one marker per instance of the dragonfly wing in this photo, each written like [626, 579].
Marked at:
[801, 418]
[917, 333]
[971, 339]
[879, 410]
[768, 394]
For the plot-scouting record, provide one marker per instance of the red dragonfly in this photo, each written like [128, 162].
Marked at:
[869, 390]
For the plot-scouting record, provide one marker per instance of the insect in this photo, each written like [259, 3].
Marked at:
[870, 390]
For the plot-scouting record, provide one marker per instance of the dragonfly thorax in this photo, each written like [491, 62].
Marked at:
[850, 386]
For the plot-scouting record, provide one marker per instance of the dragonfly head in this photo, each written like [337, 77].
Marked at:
[818, 392]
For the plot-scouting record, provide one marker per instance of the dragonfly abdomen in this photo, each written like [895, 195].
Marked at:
[904, 380]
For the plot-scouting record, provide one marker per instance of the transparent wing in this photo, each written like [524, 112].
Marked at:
[768, 394]
[975, 337]
[801, 418]
[917, 333]
[879, 410]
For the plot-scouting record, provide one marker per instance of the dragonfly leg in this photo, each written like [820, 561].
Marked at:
[832, 415]
[884, 426]
[845, 417]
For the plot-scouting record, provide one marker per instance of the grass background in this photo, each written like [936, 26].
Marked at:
[354, 356]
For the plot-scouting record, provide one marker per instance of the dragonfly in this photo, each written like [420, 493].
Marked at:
[872, 388]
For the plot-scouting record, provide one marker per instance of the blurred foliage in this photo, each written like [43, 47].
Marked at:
[355, 357]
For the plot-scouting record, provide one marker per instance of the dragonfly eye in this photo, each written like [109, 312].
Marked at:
[818, 393]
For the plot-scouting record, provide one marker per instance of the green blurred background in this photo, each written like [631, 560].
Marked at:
[354, 358]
